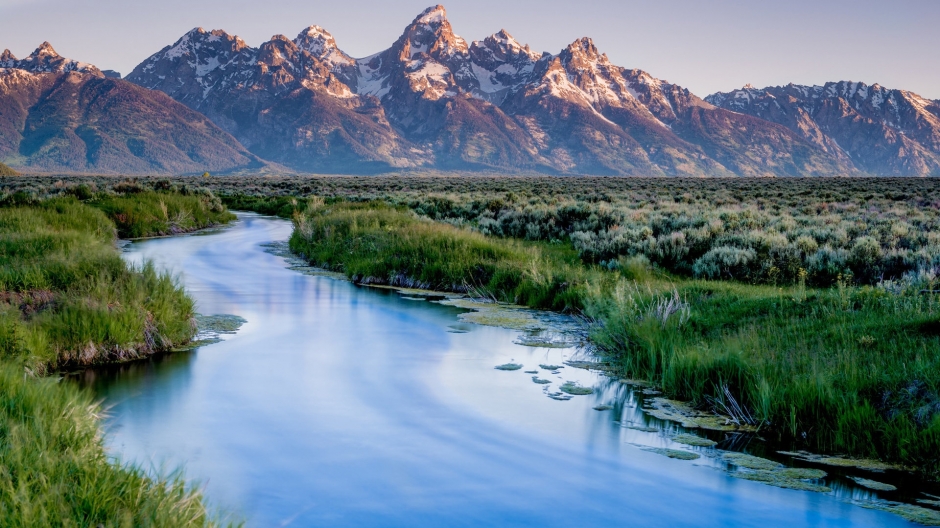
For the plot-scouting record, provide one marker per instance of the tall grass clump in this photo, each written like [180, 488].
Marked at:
[54, 470]
[70, 299]
[67, 299]
[377, 243]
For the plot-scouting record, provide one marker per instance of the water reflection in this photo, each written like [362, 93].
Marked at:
[339, 405]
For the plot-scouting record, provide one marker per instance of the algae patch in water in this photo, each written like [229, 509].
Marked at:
[575, 389]
[540, 381]
[684, 414]
[780, 480]
[692, 440]
[544, 340]
[803, 473]
[873, 485]
[868, 464]
[559, 396]
[672, 453]
[493, 314]
[750, 461]
[531, 372]
[219, 324]
[551, 367]
[509, 366]
[910, 512]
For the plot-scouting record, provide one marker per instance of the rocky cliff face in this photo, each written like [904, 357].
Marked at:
[434, 100]
[60, 115]
[877, 130]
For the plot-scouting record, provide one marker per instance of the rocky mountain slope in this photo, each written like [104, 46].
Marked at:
[60, 115]
[435, 100]
[878, 130]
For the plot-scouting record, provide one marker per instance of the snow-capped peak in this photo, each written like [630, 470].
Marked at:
[46, 60]
[321, 44]
[432, 16]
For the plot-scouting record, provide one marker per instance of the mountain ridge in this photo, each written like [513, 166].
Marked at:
[437, 101]
[434, 101]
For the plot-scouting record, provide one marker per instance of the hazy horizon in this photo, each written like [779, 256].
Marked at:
[705, 48]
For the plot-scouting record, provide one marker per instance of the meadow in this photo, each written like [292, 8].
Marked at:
[68, 300]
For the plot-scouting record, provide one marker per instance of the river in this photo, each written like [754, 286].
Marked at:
[339, 405]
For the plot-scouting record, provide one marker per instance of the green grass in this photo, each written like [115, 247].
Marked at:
[67, 299]
[54, 470]
[161, 213]
[845, 369]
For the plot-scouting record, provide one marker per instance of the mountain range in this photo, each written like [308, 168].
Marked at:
[432, 100]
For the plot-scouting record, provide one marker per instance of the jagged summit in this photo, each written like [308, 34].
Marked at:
[434, 15]
[45, 59]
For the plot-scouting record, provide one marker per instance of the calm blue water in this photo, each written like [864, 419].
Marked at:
[337, 405]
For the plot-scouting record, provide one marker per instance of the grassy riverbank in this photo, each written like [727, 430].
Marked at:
[67, 299]
[850, 369]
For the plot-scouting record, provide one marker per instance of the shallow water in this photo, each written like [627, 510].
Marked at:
[341, 405]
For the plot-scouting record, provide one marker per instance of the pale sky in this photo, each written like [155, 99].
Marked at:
[703, 45]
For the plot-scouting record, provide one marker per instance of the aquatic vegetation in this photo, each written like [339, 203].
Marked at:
[672, 453]
[575, 389]
[550, 367]
[803, 473]
[540, 381]
[559, 396]
[219, 324]
[693, 440]
[531, 372]
[509, 366]
[780, 480]
[688, 417]
[867, 464]
[750, 462]
[873, 485]
[602, 407]
[543, 341]
[911, 512]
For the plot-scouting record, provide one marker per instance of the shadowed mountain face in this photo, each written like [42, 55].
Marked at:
[879, 131]
[434, 100]
[60, 115]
